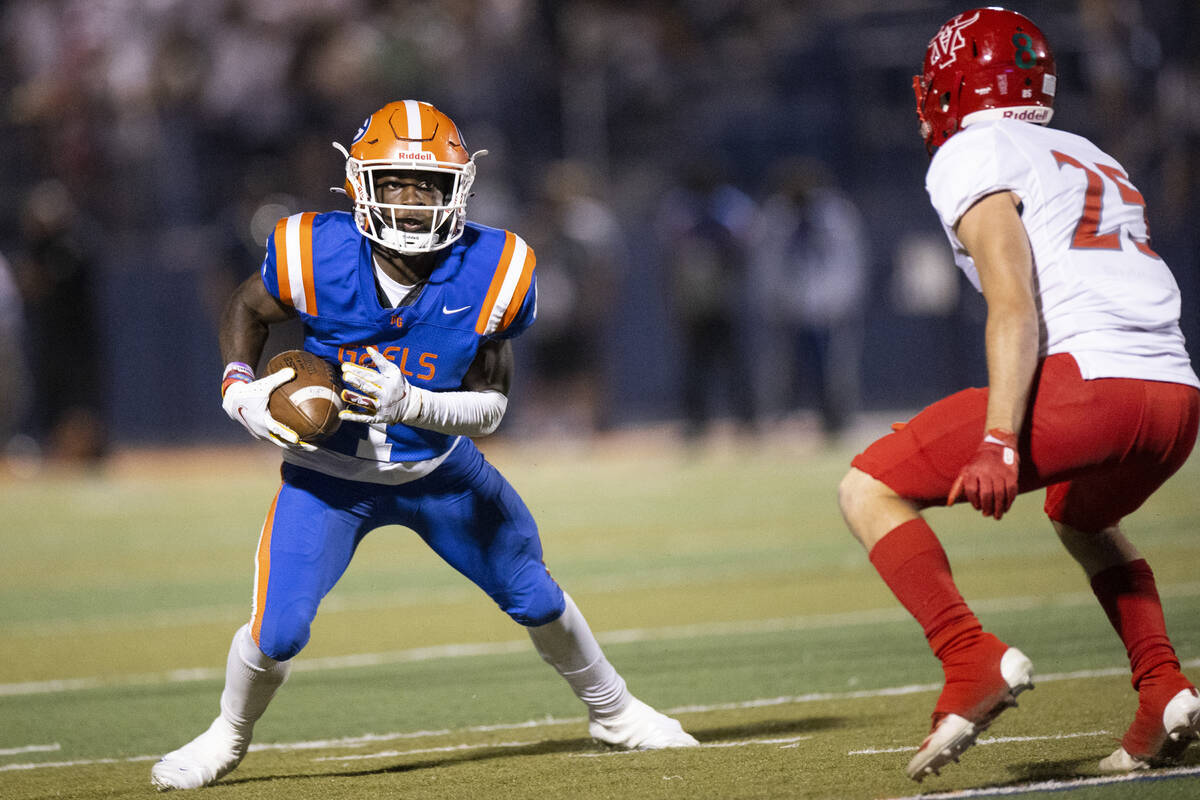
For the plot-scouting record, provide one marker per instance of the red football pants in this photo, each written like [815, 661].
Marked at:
[1100, 447]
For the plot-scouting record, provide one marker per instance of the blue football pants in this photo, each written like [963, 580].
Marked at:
[465, 510]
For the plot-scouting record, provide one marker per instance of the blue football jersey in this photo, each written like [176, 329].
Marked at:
[482, 288]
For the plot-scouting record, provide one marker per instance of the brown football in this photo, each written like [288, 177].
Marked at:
[310, 402]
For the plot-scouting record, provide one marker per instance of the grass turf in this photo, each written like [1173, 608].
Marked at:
[721, 582]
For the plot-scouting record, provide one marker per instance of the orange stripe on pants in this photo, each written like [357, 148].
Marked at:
[262, 571]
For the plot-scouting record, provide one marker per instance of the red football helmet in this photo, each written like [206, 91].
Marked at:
[409, 135]
[987, 63]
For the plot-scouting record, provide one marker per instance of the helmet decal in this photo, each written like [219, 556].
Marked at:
[362, 131]
[949, 40]
[1025, 58]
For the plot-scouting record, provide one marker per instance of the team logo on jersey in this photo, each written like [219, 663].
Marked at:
[949, 40]
[426, 363]
[361, 132]
[397, 320]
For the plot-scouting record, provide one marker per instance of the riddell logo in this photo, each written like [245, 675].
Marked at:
[416, 155]
[1028, 114]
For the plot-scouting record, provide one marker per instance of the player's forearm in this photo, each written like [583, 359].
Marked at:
[458, 413]
[1012, 351]
[242, 338]
[246, 322]
[994, 235]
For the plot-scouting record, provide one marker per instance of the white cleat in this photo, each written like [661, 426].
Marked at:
[202, 761]
[954, 734]
[1181, 721]
[640, 727]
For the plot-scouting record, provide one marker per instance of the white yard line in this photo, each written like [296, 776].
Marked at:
[783, 744]
[83, 762]
[359, 741]
[631, 635]
[452, 748]
[1058, 785]
[872, 751]
[406, 598]
[31, 748]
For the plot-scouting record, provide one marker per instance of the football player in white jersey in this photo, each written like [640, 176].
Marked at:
[1090, 392]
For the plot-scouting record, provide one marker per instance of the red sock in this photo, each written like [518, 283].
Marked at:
[1130, 598]
[911, 561]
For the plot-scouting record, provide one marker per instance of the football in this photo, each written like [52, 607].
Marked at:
[310, 402]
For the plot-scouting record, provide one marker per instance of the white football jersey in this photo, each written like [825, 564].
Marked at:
[1104, 296]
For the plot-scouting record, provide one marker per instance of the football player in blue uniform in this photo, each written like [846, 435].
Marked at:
[418, 307]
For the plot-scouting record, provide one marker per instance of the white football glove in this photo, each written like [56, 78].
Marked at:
[381, 395]
[246, 403]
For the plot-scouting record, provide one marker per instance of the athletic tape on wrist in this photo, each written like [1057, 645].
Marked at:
[236, 372]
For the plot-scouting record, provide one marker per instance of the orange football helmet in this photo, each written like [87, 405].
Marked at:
[409, 135]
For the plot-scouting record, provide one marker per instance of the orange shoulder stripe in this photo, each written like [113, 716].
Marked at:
[306, 262]
[294, 262]
[281, 262]
[518, 297]
[485, 313]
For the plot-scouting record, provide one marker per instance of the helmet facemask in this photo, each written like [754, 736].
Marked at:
[410, 138]
[383, 222]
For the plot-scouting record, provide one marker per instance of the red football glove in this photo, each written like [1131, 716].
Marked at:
[989, 479]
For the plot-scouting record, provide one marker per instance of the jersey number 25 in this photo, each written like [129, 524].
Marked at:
[1087, 230]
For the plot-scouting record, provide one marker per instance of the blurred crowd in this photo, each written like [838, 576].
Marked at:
[726, 198]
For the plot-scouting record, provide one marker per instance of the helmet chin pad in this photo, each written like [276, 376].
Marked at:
[408, 242]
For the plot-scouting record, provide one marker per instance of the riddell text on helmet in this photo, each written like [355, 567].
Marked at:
[1028, 114]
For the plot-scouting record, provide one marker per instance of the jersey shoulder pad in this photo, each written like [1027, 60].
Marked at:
[980, 160]
[510, 302]
[298, 243]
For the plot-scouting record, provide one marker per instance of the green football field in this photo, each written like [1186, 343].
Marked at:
[721, 582]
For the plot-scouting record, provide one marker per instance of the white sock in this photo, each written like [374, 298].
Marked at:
[251, 679]
[567, 644]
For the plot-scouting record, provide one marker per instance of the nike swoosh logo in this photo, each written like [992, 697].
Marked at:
[454, 310]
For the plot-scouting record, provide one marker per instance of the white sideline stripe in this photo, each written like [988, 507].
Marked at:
[873, 751]
[1058, 785]
[631, 635]
[235, 614]
[80, 763]
[31, 748]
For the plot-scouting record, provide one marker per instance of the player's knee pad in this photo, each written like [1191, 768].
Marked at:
[285, 633]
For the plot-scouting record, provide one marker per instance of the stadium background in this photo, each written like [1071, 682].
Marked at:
[162, 136]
